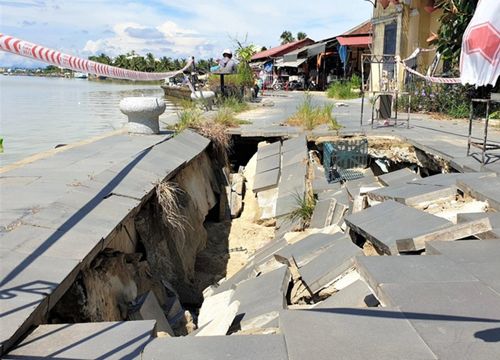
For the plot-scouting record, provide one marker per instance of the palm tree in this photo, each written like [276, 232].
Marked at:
[121, 61]
[286, 37]
[150, 62]
[301, 35]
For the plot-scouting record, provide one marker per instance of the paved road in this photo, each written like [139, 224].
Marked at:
[447, 138]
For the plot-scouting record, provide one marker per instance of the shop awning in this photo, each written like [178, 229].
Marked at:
[354, 40]
[310, 50]
[294, 63]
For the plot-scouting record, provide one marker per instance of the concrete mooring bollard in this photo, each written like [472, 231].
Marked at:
[143, 113]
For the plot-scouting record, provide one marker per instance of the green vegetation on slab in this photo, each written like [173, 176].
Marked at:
[309, 115]
[343, 90]
[303, 212]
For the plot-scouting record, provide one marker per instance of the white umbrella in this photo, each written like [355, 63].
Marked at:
[480, 57]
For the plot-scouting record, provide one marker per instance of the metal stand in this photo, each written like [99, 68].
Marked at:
[382, 85]
[484, 145]
[395, 118]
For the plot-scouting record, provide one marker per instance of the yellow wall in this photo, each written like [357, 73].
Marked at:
[414, 26]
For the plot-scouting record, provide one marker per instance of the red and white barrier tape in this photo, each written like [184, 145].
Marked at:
[53, 57]
[433, 79]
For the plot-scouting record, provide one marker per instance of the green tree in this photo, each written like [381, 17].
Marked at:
[301, 35]
[456, 16]
[121, 61]
[150, 62]
[286, 37]
[102, 58]
[138, 63]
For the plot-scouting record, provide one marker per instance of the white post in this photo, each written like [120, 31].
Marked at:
[143, 114]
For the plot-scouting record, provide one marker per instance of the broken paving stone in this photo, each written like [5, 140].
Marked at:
[146, 307]
[357, 294]
[484, 189]
[213, 306]
[379, 270]
[298, 142]
[494, 218]
[266, 180]
[262, 347]
[269, 163]
[451, 233]
[414, 194]
[351, 333]
[398, 177]
[221, 323]
[323, 213]
[265, 150]
[320, 185]
[461, 321]
[478, 257]
[98, 340]
[390, 221]
[262, 298]
[358, 187]
[308, 248]
[330, 264]
[236, 205]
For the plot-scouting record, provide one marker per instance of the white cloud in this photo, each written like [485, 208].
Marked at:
[198, 27]
[166, 39]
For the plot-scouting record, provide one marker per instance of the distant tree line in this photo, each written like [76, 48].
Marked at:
[148, 63]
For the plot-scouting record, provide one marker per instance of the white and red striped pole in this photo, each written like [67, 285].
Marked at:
[37, 52]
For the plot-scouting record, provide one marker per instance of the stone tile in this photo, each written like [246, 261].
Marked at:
[262, 347]
[101, 340]
[378, 270]
[358, 294]
[287, 203]
[262, 298]
[268, 150]
[266, 180]
[308, 248]
[413, 194]
[487, 189]
[146, 307]
[268, 163]
[479, 258]
[295, 156]
[320, 185]
[457, 320]
[294, 143]
[452, 178]
[390, 221]
[351, 333]
[293, 177]
[26, 239]
[30, 284]
[398, 177]
[330, 264]
[243, 274]
[323, 213]
[368, 182]
[267, 251]
[95, 217]
[494, 221]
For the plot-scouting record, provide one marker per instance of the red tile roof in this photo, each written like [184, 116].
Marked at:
[362, 29]
[282, 49]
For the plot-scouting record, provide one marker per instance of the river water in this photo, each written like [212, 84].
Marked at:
[38, 113]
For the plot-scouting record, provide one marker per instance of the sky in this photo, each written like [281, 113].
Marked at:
[178, 29]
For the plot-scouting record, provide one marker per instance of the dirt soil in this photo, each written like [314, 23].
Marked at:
[246, 235]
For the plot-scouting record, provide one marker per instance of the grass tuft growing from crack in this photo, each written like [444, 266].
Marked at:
[170, 197]
[305, 204]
